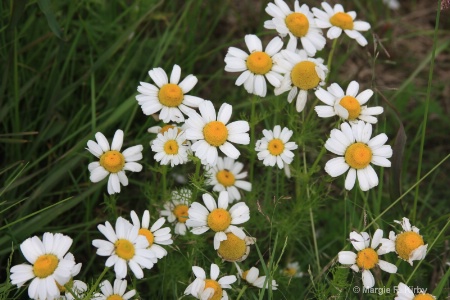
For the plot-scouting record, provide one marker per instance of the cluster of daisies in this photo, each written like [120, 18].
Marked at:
[194, 131]
[407, 244]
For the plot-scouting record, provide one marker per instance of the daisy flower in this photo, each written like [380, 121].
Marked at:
[113, 162]
[367, 257]
[408, 244]
[76, 286]
[211, 132]
[176, 210]
[292, 269]
[302, 73]
[168, 96]
[156, 235]
[124, 246]
[217, 218]
[117, 292]
[226, 175]
[298, 24]
[405, 293]
[256, 65]
[211, 289]
[275, 148]
[349, 105]
[337, 20]
[357, 151]
[253, 278]
[234, 248]
[170, 147]
[49, 266]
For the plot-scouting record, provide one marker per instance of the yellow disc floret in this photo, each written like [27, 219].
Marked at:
[424, 297]
[148, 235]
[358, 155]
[166, 128]
[304, 75]
[114, 297]
[244, 274]
[181, 212]
[233, 248]
[275, 147]
[289, 271]
[171, 147]
[113, 161]
[352, 106]
[209, 283]
[298, 24]
[45, 265]
[170, 95]
[367, 258]
[124, 249]
[216, 133]
[225, 178]
[407, 242]
[342, 20]
[219, 219]
[259, 63]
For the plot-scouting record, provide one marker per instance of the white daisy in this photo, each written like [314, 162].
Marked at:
[156, 235]
[48, 268]
[405, 293]
[168, 96]
[256, 65]
[217, 218]
[252, 277]
[209, 289]
[234, 248]
[125, 246]
[302, 73]
[367, 257]
[408, 244]
[77, 286]
[357, 152]
[226, 175]
[176, 210]
[275, 148]
[339, 20]
[298, 24]
[292, 269]
[113, 162]
[117, 292]
[211, 132]
[170, 147]
[349, 105]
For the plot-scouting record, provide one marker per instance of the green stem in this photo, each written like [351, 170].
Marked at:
[164, 181]
[97, 282]
[241, 292]
[425, 114]
[330, 59]
[198, 165]
[252, 138]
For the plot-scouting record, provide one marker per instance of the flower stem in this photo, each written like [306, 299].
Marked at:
[330, 59]
[252, 138]
[96, 284]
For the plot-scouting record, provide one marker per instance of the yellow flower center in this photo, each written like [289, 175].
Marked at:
[124, 249]
[233, 248]
[219, 219]
[367, 259]
[166, 128]
[148, 235]
[407, 242]
[275, 147]
[352, 106]
[424, 297]
[209, 283]
[45, 265]
[114, 297]
[171, 147]
[289, 272]
[259, 62]
[225, 178]
[216, 133]
[304, 75]
[342, 20]
[244, 274]
[298, 24]
[170, 95]
[113, 161]
[358, 155]
[181, 212]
